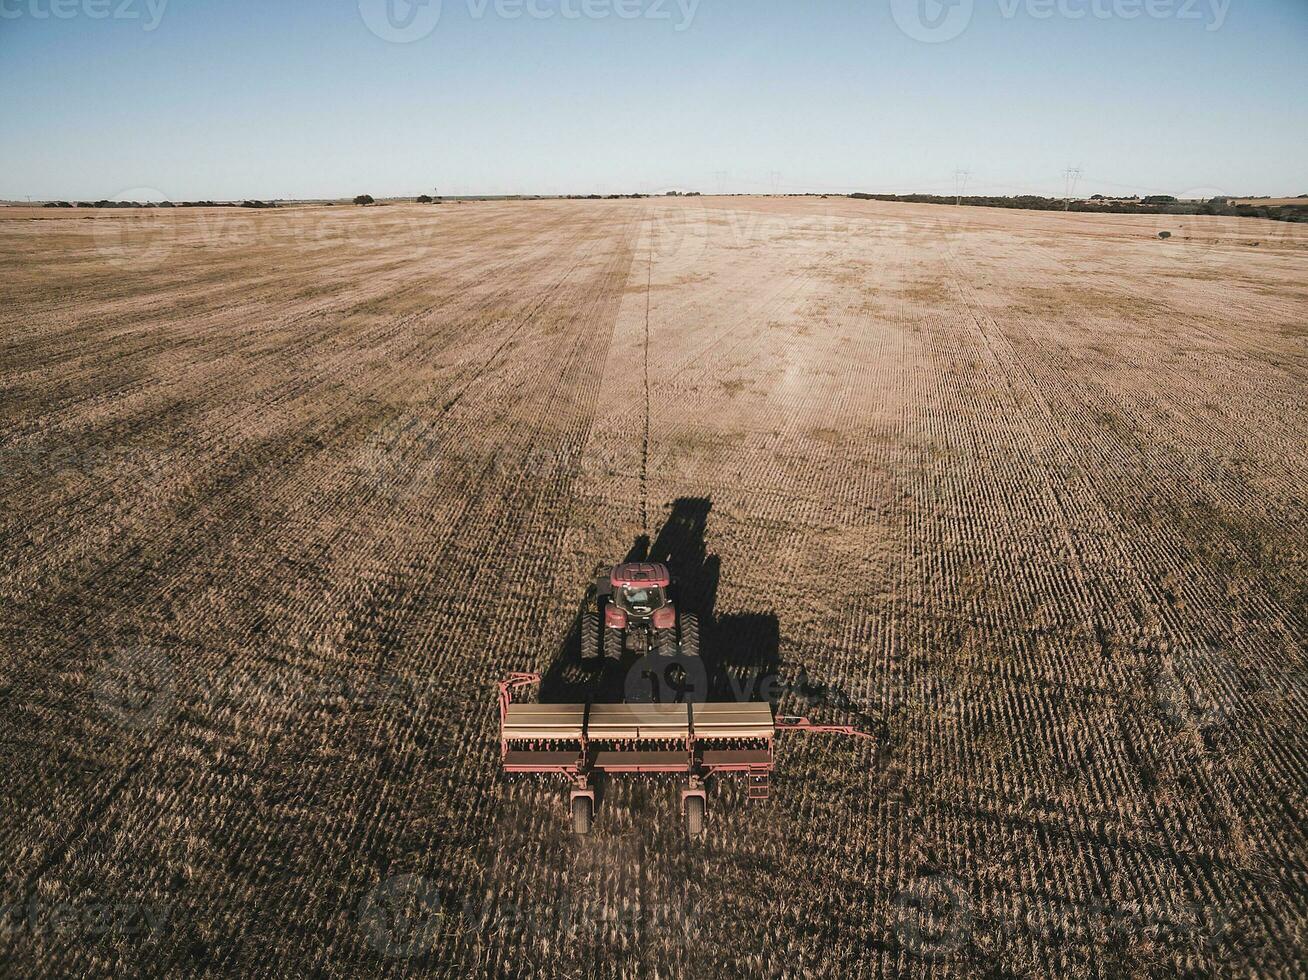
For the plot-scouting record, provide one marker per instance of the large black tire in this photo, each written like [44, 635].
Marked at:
[665, 642]
[613, 644]
[581, 814]
[694, 816]
[689, 635]
[590, 637]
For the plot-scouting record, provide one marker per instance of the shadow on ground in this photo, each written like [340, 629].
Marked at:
[739, 652]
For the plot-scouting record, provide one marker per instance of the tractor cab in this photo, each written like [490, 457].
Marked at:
[640, 601]
[639, 589]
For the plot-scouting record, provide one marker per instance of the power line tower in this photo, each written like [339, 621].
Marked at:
[960, 184]
[775, 177]
[721, 177]
[1071, 176]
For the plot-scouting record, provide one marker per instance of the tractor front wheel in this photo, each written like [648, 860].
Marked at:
[689, 635]
[590, 637]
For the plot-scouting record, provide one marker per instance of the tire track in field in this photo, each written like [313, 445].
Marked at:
[644, 444]
[504, 523]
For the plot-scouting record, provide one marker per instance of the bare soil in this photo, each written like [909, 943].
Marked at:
[283, 494]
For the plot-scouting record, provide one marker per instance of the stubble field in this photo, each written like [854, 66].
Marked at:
[283, 494]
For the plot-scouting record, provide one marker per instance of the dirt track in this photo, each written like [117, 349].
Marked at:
[283, 493]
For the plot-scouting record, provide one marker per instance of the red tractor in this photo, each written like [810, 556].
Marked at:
[638, 614]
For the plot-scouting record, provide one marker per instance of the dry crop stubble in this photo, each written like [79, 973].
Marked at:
[1022, 492]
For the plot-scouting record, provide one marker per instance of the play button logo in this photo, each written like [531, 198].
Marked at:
[932, 21]
[400, 21]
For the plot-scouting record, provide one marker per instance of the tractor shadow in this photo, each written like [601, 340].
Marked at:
[739, 652]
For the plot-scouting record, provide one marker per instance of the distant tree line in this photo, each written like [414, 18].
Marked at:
[1154, 204]
[606, 197]
[361, 199]
[161, 204]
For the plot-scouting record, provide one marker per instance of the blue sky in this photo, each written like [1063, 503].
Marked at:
[288, 98]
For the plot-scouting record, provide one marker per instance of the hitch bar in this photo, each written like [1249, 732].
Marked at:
[798, 723]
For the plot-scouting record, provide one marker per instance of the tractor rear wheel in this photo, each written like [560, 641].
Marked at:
[581, 814]
[689, 635]
[694, 816]
[590, 637]
[613, 644]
